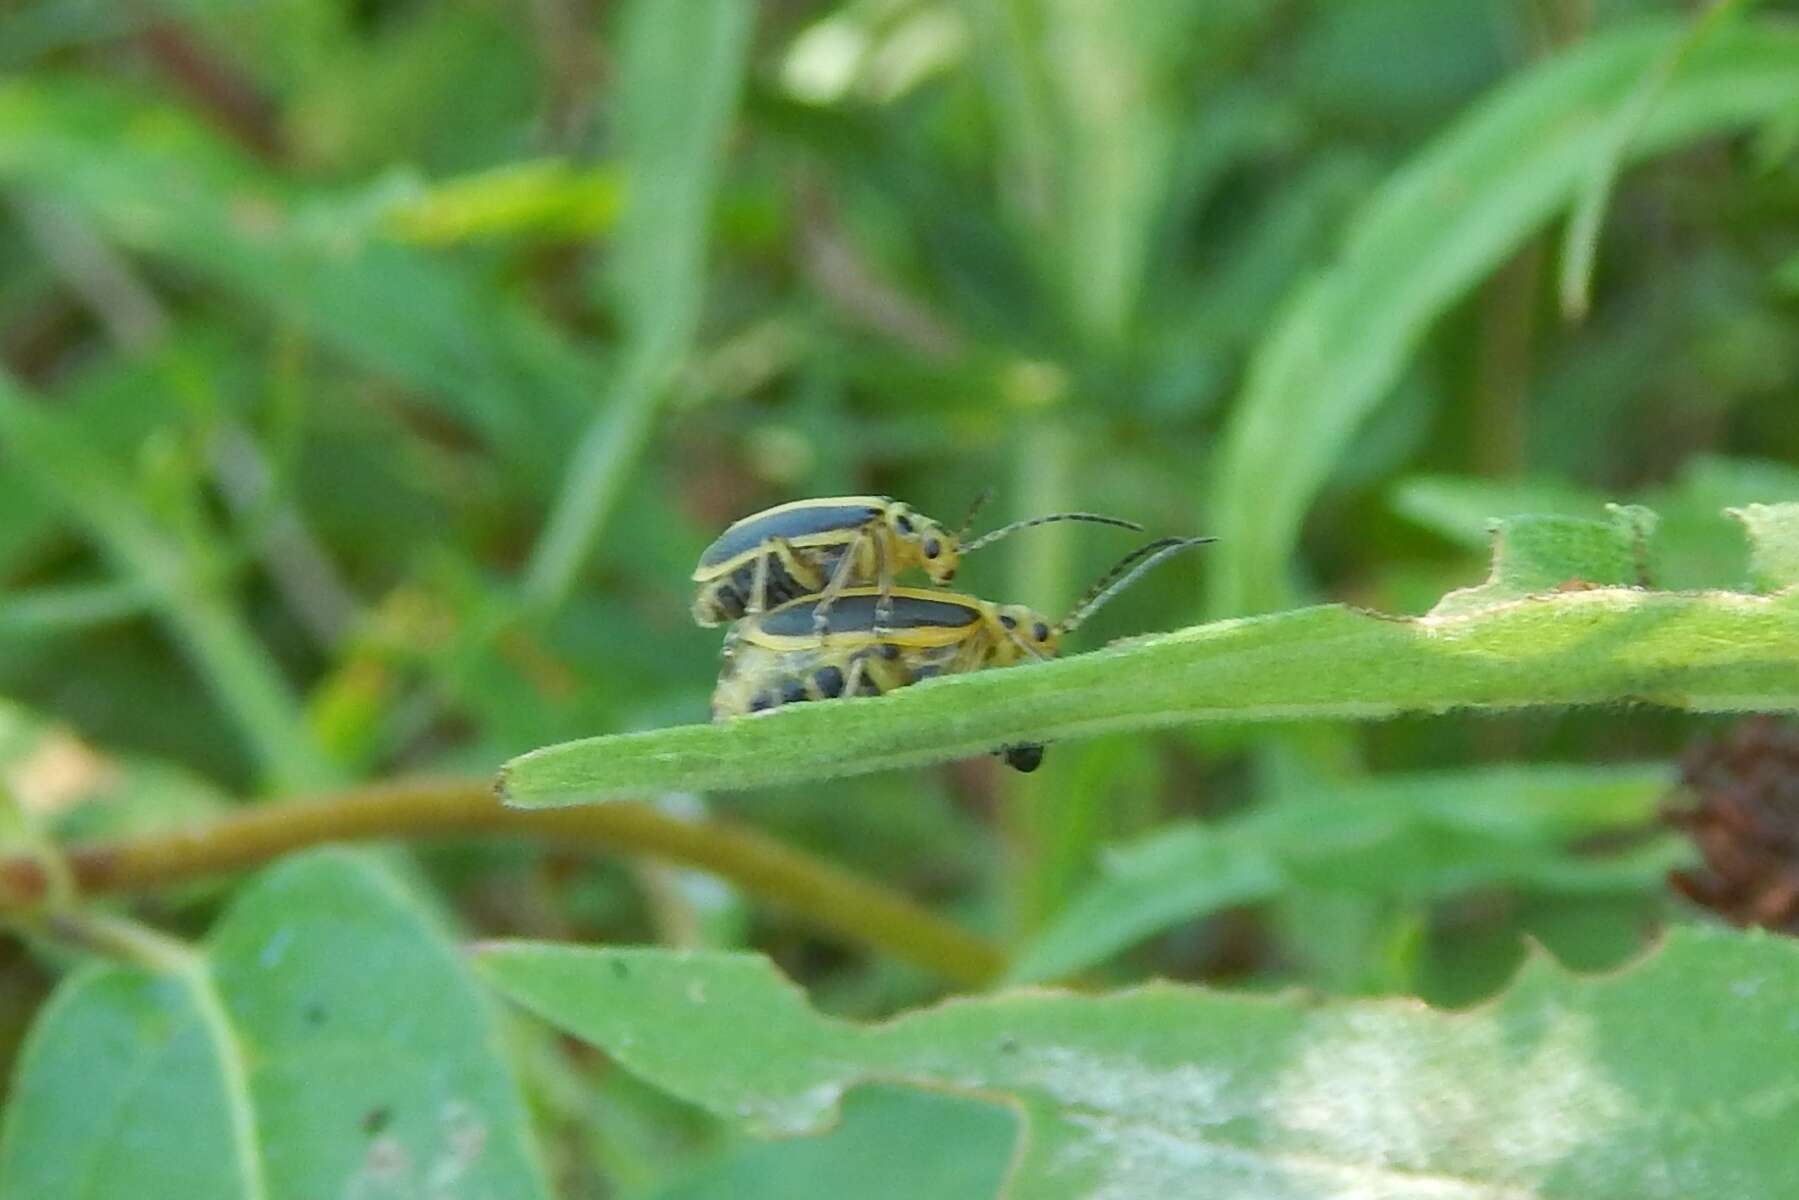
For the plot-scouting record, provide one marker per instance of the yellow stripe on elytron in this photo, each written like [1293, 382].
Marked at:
[828, 537]
[807, 541]
[922, 637]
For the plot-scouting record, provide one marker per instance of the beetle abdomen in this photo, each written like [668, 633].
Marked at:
[728, 599]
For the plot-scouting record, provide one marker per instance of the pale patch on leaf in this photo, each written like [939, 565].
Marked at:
[1564, 1087]
[1773, 544]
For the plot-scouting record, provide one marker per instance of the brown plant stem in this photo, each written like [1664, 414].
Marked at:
[821, 893]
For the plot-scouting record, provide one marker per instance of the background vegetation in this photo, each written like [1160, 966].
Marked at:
[375, 371]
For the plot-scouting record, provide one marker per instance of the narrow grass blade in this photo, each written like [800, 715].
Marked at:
[1463, 206]
[683, 66]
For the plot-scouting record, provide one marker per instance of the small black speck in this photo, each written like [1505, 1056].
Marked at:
[1008, 1045]
[376, 1120]
[619, 969]
[314, 1014]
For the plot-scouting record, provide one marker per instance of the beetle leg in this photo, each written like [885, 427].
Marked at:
[840, 578]
[801, 576]
[758, 597]
[884, 605]
[852, 679]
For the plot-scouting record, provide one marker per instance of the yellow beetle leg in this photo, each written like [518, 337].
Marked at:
[852, 679]
[884, 605]
[757, 600]
[804, 574]
[840, 579]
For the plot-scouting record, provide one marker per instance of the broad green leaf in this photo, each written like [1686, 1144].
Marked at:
[1458, 210]
[1774, 538]
[1518, 643]
[1564, 1087]
[130, 1085]
[155, 183]
[327, 1041]
[682, 69]
[1537, 555]
[892, 1144]
[1408, 837]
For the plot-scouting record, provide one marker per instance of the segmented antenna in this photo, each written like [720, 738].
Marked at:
[987, 539]
[1129, 569]
[974, 508]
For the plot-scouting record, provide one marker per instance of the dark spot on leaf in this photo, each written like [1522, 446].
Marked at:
[314, 1014]
[376, 1120]
[1008, 1045]
[619, 969]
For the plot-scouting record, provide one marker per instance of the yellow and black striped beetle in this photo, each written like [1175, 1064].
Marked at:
[819, 549]
[777, 658]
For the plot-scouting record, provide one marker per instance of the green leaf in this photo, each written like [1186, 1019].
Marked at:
[129, 1086]
[1773, 544]
[1516, 643]
[1409, 837]
[1565, 1087]
[1692, 548]
[328, 1041]
[1463, 206]
[1537, 555]
[892, 1144]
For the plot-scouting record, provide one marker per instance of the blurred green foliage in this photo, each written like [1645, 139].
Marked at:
[372, 373]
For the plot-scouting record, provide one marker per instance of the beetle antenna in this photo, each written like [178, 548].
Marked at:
[974, 508]
[1129, 569]
[987, 539]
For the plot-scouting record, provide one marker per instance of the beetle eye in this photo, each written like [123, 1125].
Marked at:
[903, 523]
[932, 548]
[1040, 631]
[1009, 622]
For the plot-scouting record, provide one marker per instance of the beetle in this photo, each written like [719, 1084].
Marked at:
[777, 658]
[827, 546]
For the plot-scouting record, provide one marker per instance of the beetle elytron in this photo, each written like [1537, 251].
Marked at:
[777, 658]
[826, 547]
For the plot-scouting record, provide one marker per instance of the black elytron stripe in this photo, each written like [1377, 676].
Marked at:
[856, 614]
[751, 532]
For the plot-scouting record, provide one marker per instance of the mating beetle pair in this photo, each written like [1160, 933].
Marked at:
[810, 585]
[824, 547]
